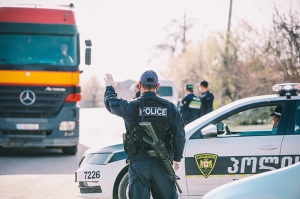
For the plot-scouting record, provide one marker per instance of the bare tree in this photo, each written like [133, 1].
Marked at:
[284, 44]
[247, 72]
[176, 40]
[198, 63]
[255, 59]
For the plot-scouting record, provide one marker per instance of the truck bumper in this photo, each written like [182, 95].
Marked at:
[40, 132]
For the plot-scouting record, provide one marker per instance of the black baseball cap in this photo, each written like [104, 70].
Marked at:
[149, 77]
[189, 86]
[204, 83]
[277, 111]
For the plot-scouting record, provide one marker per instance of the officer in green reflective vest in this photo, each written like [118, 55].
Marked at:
[190, 105]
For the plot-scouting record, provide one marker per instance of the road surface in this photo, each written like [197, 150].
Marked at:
[47, 173]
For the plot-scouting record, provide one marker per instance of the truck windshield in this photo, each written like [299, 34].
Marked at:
[38, 51]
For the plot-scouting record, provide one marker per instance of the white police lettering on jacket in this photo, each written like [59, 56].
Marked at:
[153, 111]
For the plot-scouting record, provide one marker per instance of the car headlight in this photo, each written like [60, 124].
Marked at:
[67, 126]
[102, 158]
[97, 159]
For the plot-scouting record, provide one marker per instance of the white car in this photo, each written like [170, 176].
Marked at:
[281, 183]
[228, 144]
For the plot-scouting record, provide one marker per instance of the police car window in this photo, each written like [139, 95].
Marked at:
[297, 119]
[250, 122]
[165, 91]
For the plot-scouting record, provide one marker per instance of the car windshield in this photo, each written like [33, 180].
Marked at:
[37, 50]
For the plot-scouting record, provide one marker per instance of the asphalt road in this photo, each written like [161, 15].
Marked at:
[47, 173]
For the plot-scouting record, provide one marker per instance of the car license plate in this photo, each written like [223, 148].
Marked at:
[27, 126]
[87, 175]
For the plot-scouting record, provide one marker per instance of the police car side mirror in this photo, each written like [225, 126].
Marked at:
[209, 131]
[220, 127]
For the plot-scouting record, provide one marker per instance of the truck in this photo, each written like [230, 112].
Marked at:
[39, 77]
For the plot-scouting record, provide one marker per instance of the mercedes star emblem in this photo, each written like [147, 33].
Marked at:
[27, 97]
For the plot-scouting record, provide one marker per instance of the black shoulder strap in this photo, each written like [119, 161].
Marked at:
[142, 104]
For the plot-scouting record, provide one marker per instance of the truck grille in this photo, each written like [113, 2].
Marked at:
[31, 101]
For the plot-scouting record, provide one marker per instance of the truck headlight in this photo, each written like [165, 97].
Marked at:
[67, 126]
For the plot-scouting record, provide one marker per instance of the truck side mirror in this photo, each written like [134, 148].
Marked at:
[88, 52]
[209, 131]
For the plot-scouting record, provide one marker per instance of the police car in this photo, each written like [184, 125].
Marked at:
[237, 140]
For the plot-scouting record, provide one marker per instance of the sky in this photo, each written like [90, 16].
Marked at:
[124, 32]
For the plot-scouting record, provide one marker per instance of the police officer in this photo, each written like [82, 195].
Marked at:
[147, 173]
[207, 99]
[277, 114]
[190, 105]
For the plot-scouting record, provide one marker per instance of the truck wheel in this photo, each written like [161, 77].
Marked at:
[72, 150]
[123, 187]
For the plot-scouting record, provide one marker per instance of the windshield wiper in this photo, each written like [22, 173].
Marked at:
[47, 66]
[8, 65]
[54, 69]
[39, 63]
[5, 61]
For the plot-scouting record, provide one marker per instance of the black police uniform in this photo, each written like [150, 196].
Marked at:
[207, 100]
[148, 173]
[190, 108]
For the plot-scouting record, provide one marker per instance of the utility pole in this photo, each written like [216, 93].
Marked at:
[184, 32]
[224, 81]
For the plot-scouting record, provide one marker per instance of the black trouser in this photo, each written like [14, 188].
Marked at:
[149, 174]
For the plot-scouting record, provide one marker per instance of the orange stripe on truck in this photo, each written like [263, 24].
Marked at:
[39, 78]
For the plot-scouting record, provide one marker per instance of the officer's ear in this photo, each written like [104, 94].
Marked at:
[157, 87]
[139, 85]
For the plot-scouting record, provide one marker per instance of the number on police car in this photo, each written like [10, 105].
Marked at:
[91, 174]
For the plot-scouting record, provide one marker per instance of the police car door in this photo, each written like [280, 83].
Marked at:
[290, 150]
[249, 146]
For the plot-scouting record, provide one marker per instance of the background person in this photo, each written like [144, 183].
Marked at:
[138, 92]
[207, 99]
[277, 115]
[190, 105]
[148, 173]
[135, 88]
[65, 59]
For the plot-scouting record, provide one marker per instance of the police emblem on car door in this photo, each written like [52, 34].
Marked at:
[206, 163]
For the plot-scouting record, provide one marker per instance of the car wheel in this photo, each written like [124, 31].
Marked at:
[123, 187]
[72, 150]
